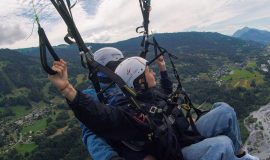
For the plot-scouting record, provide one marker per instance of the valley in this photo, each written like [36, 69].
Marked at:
[36, 121]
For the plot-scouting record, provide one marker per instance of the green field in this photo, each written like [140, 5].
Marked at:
[203, 76]
[2, 65]
[243, 78]
[23, 148]
[36, 126]
[58, 100]
[251, 64]
[20, 111]
[20, 92]
[45, 90]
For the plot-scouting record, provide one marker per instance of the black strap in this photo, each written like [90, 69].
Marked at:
[179, 91]
[175, 72]
[104, 80]
[145, 9]
[44, 44]
[156, 49]
[105, 89]
[68, 40]
[65, 13]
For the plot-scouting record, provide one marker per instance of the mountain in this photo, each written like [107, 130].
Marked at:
[204, 59]
[193, 48]
[199, 53]
[22, 78]
[251, 34]
[182, 42]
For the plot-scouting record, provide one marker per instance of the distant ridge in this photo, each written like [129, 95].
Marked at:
[252, 34]
[181, 42]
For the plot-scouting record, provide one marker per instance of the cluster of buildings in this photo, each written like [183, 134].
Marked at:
[221, 72]
[35, 115]
[15, 126]
[265, 67]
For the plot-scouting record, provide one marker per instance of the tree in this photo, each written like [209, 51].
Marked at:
[60, 147]
[2, 141]
[253, 83]
[49, 120]
[51, 130]
[62, 116]
[60, 123]
[12, 154]
[62, 106]
[7, 112]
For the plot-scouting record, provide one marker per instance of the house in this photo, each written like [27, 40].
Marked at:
[264, 68]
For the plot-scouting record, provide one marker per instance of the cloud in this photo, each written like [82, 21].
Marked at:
[110, 21]
[119, 18]
[10, 34]
[90, 6]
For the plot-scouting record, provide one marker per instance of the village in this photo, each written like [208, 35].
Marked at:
[12, 130]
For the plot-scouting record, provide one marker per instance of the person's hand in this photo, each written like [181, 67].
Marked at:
[59, 80]
[161, 64]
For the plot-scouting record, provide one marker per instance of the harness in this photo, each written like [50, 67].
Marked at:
[177, 100]
[180, 92]
[170, 128]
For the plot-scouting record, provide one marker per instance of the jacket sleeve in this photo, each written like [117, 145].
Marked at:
[107, 122]
[165, 82]
[97, 146]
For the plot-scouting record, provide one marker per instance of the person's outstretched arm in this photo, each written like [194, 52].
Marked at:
[108, 122]
[165, 82]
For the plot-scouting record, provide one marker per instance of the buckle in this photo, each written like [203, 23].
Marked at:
[153, 109]
[186, 107]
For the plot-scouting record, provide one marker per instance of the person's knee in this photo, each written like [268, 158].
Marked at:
[224, 108]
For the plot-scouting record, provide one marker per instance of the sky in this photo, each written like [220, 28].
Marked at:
[102, 21]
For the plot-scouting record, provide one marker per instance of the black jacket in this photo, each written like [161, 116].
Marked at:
[121, 123]
[118, 123]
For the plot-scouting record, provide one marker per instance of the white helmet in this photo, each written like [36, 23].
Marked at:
[130, 69]
[107, 54]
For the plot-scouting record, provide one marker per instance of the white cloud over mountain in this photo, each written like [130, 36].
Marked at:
[113, 20]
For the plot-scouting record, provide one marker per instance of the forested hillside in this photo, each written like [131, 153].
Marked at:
[36, 123]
